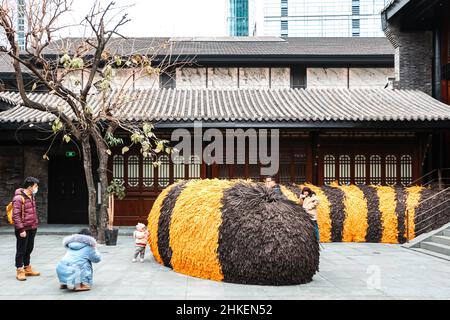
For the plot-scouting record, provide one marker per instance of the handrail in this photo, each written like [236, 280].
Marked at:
[425, 175]
[421, 202]
[418, 231]
[429, 173]
[426, 211]
[433, 196]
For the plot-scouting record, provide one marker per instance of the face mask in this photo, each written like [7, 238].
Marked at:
[35, 190]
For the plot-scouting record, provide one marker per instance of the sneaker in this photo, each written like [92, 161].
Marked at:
[134, 260]
[141, 260]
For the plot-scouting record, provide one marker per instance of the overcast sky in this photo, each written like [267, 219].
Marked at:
[164, 17]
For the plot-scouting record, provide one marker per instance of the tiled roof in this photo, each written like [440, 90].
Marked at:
[388, 5]
[6, 65]
[265, 46]
[252, 105]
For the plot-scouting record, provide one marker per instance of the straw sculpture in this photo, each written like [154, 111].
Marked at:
[234, 231]
[241, 232]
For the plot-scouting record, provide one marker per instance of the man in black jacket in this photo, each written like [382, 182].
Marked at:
[272, 183]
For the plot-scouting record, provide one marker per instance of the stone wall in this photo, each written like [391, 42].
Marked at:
[326, 77]
[122, 79]
[16, 163]
[34, 165]
[232, 78]
[348, 77]
[413, 58]
[11, 175]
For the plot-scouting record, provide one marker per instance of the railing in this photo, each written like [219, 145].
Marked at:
[440, 176]
[428, 210]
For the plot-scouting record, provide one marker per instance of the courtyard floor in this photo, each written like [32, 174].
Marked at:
[347, 271]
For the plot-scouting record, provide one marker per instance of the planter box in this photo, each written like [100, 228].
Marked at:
[111, 237]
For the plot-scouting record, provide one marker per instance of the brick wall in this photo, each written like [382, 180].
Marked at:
[16, 163]
[35, 166]
[413, 58]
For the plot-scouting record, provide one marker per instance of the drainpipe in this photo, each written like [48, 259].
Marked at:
[437, 64]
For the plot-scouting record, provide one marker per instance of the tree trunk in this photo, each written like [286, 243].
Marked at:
[92, 192]
[102, 171]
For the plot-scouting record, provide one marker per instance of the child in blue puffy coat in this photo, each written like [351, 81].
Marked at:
[75, 270]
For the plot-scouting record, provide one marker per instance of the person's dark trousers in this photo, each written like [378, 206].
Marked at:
[24, 247]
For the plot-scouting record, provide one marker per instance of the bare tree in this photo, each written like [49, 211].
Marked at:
[81, 77]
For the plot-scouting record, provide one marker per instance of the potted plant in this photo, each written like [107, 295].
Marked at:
[115, 189]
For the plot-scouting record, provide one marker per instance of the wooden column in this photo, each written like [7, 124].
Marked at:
[309, 160]
[317, 169]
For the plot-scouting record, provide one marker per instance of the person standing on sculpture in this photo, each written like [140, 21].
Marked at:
[310, 204]
[271, 183]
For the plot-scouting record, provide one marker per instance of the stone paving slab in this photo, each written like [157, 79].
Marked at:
[347, 271]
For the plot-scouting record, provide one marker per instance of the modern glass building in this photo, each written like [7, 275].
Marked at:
[21, 23]
[238, 18]
[322, 18]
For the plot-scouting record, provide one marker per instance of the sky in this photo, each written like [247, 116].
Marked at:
[180, 18]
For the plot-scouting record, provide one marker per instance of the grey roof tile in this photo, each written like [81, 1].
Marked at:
[290, 46]
[250, 105]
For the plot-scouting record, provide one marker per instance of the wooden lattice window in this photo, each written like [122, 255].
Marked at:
[118, 164]
[133, 171]
[391, 170]
[329, 162]
[194, 167]
[360, 169]
[344, 170]
[406, 169]
[284, 171]
[375, 169]
[163, 171]
[299, 168]
[179, 169]
[148, 169]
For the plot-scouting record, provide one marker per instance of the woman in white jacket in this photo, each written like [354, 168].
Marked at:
[310, 204]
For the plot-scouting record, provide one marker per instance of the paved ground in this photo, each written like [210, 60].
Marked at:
[347, 271]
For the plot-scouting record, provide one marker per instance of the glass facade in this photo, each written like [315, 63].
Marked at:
[238, 18]
[21, 24]
[323, 18]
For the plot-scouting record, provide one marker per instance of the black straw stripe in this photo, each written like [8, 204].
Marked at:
[400, 210]
[374, 227]
[337, 211]
[164, 223]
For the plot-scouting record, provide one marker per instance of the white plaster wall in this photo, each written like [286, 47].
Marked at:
[142, 81]
[326, 77]
[370, 77]
[122, 78]
[281, 78]
[191, 78]
[352, 77]
[222, 78]
[253, 78]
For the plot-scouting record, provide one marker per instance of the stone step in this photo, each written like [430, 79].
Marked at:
[436, 247]
[432, 253]
[446, 232]
[441, 239]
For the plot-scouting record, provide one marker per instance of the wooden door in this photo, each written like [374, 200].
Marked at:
[67, 194]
